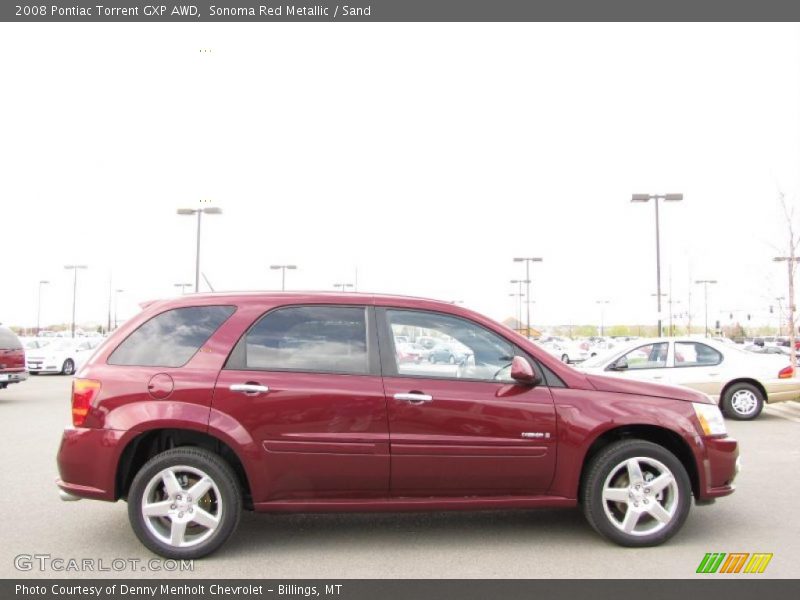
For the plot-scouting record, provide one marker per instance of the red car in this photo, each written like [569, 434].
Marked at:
[205, 405]
[12, 358]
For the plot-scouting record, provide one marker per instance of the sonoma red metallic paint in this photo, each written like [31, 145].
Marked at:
[335, 442]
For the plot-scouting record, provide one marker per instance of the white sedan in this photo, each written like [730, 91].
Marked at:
[741, 382]
[62, 355]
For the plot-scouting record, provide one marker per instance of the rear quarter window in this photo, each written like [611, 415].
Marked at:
[171, 338]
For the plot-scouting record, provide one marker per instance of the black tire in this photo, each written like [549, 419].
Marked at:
[432, 359]
[565, 359]
[213, 466]
[742, 410]
[33, 372]
[68, 368]
[609, 461]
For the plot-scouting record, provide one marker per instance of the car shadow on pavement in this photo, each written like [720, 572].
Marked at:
[293, 531]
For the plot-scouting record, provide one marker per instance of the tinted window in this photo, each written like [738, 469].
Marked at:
[171, 338]
[330, 339]
[649, 356]
[694, 354]
[455, 348]
[8, 339]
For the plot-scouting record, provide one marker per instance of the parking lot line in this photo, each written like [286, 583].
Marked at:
[786, 410]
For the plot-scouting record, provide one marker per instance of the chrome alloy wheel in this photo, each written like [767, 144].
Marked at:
[640, 496]
[182, 506]
[744, 402]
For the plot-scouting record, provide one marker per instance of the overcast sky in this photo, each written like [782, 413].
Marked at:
[425, 155]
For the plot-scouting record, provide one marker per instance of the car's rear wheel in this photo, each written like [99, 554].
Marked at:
[68, 368]
[636, 493]
[742, 401]
[565, 358]
[184, 503]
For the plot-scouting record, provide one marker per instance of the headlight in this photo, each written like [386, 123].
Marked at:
[710, 419]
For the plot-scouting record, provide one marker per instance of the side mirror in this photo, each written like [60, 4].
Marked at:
[620, 365]
[522, 372]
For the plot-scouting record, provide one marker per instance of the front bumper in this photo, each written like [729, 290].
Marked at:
[13, 376]
[87, 462]
[720, 465]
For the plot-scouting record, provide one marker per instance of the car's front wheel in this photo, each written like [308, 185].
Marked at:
[636, 493]
[742, 401]
[184, 503]
[68, 368]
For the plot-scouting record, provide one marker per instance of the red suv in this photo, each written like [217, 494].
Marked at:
[205, 405]
[12, 358]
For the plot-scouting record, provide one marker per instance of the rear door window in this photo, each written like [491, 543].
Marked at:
[312, 339]
[171, 338]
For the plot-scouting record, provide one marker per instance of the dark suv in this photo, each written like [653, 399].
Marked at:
[205, 405]
[12, 358]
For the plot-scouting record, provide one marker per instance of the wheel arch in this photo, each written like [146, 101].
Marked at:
[147, 444]
[754, 382]
[662, 436]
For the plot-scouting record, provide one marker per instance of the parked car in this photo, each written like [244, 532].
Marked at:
[195, 409]
[448, 353]
[12, 358]
[408, 352]
[62, 355]
[568, 351]
[740, 382]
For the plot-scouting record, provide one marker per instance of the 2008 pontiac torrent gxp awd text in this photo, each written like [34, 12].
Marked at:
[205, 405]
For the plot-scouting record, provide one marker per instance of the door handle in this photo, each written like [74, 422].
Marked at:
[414, 397]
[249, 388]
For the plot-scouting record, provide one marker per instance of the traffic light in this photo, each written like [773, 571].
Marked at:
[717, 323]
[770, 310]
[748, 317]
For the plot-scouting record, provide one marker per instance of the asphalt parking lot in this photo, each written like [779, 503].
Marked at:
[760, 517]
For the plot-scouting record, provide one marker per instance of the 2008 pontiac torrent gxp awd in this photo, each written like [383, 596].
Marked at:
[205, 405]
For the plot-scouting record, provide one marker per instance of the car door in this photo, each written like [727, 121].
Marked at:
[305, 383]
[698, 366]
[646, 362]
[464, 428]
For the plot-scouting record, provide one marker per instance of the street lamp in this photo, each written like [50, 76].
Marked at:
[656, 198]
[342, 286]
[283, 273]
[39, 308]
[74, 269]
[116, 292]
[705, 283]
[209, 210]
[528, 260]
[602, 304]
[521, 296]
[183, 287]
[790, 262]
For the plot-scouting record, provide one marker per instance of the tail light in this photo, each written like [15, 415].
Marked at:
[786, 373]
[84, 391]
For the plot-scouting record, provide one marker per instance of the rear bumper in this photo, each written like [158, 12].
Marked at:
[782, 390]
[13, 376]
[87, 461]
[720, 466]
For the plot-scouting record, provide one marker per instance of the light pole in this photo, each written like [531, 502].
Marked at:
[342, 286]
[521, 296]
[528, 260]
[656, 198]
[603, 304]
[74, 269]
[790, 263]
[209, 210]
[283, 273]
[116, 300]
[39, 308]
[705, 283]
